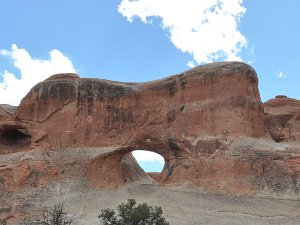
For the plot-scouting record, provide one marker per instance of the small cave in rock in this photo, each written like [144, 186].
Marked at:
[15, 137]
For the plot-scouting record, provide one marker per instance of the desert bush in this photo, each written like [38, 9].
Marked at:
[132, 214]
[53, 216]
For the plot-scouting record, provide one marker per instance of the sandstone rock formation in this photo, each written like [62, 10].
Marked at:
[282, 118]
[208, 123]
[9, 108]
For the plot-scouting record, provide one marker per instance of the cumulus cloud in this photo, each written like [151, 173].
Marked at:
[280, 74]
[146, 156]
[206, 29]
[32, 70]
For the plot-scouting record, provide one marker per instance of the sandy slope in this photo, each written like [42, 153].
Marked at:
[185, 206]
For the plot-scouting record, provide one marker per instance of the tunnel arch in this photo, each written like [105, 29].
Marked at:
[118, 167]
[151, 175]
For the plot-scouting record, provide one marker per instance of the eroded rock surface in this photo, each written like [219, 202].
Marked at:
[208, 123]
[14, 136]
[9, 108]
[166, 116]
[282, 118]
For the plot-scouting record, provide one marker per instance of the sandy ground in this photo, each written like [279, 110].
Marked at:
[185, 206]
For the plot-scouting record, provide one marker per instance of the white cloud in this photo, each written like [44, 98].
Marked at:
[142, 156]
[280, 74]
[191, 64]
[32, 71]
[207, 29]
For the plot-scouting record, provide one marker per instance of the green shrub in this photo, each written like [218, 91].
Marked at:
[52, 216]
[130, 214]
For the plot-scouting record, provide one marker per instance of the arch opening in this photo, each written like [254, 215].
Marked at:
[149, 161]
[143, 165]
[119, 167]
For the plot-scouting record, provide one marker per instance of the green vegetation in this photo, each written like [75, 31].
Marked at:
[52, 216]
[132, 214]
[129, 213]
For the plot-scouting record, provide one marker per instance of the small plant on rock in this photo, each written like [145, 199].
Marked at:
[132, 214]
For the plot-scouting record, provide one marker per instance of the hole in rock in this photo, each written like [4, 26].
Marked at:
[16, 137]
[149, 161]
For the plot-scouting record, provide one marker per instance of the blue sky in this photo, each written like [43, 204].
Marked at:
[144, 40]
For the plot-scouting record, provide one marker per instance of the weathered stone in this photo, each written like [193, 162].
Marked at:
[208, 123]
[281, 118]
[9, 108]
[212, 98]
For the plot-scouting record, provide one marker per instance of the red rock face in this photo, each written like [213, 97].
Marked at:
[282, 118]
[220, 100]
[294, 126]
[217, 99]
[208, 123]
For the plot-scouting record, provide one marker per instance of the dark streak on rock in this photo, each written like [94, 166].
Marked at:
[171, 116]
[107, 90]
[182, 80]
[85, 95]
[181, 108]
[173, 146]
[172, 87]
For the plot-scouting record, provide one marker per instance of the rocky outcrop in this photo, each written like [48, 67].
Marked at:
[9, 108]
[282, 118]
[166, 116]
[208, 123]
[217, 99]
[294, 127]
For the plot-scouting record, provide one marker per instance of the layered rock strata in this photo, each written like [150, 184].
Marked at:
[208, 123]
